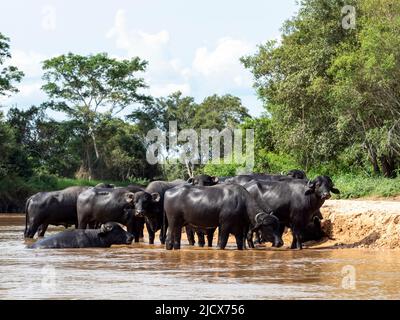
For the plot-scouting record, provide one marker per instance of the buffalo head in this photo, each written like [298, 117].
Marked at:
[143, 202]
[203, 180]
[322, 186]
[268, 225]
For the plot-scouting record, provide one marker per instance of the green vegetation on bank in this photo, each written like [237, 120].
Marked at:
[357, 186]
[15, 190]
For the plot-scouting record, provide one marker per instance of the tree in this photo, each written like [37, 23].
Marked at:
[7, 146]
[220, 112]
[89, 87]
[366, 90]
[124, 153]
[291, 79]
[329, 89]
[8, 74]
[214, 112]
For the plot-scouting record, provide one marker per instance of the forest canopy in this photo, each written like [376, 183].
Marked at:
[331, 96]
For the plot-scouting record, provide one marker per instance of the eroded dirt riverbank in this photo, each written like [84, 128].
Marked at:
[362, 223]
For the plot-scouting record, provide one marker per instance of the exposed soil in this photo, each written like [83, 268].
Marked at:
[360, 224]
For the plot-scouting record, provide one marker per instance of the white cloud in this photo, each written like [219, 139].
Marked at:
[164, 74]
[137, 42]
[27, 61]
[29, 94]
[30, 62]
[28, 89]
[220, 68]
[211, 70]
[224, 58]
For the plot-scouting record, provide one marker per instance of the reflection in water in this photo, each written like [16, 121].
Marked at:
[141, 271]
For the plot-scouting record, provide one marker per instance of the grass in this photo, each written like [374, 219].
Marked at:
[356, 186]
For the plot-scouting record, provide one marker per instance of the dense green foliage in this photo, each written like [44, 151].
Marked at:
[331, 94]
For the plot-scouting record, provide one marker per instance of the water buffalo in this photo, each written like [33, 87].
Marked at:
[313, 230]
[229, 207]
[105, 185]
[246, 178]
[101, 205]
[296, 174]
[150, 205]
[201, 233]
[294, 201]
[55, 208]
[201, 180]
[109, 233]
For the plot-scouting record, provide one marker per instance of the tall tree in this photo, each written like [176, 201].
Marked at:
[8, 74]
[7, 146]
[366, 89]
[89, 87]
[329, 88]
[214, 112]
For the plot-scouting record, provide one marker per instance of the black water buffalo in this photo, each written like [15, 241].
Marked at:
[224, 179]
[229, 207]
[55, 208]
[294, 202]
[246, 178]
[296, 174]
[201, 234]
[150, 205]
[109, 233]
[203, 180]
[105, 185]
[101, 205]
[134, 188]
[313, 230]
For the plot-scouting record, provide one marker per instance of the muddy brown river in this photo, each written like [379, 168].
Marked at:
[141, 271]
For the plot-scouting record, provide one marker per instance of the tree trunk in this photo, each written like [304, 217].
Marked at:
[95, 146]
[373, 158]
[189, 168]
[89, 163]
[387, 164]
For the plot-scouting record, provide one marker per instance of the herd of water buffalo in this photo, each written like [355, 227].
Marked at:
[251, 207]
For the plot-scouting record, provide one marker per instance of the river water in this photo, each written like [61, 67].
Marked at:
[141, 271]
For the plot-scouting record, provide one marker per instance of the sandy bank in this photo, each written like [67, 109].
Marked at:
[361, 223]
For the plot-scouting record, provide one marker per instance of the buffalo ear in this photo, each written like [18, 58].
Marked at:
[129, 197]
[259, 218]
[309, 191]
[310, 188]
[215, 179]
[104, 229]
[316, 220]
[155, 197]
[334, 190]
[190, 180]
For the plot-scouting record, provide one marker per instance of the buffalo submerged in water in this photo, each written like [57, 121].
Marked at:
[109, 233]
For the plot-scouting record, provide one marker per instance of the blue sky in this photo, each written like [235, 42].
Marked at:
[191, 46]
